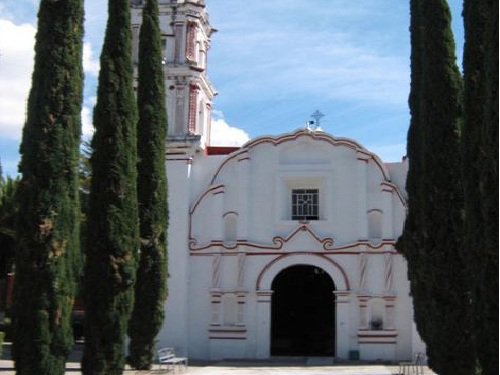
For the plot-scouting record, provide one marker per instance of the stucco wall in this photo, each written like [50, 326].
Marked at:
[231, 233]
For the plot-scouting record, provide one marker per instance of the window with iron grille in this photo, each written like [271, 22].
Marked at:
[305, 204]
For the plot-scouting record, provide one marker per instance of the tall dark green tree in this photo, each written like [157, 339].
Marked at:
[151, 289]
[48, 221]
[480, 166]
[432, 236]
[112, 223]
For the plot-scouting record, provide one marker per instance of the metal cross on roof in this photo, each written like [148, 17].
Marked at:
[317, 116]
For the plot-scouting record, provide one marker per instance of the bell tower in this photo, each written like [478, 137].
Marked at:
[186, 33]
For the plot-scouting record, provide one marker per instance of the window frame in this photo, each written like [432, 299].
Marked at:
[305, 204]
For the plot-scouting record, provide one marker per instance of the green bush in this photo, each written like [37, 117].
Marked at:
[2, 335]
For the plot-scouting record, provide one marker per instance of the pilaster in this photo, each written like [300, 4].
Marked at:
[361, 170]
[263, 323]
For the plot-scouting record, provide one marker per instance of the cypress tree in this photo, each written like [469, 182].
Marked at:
[48, 222]
[433, 235]
[411, 242]
[150, 290]
[480, 168]
[112, 226]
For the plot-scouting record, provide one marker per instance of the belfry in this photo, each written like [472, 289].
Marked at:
[284, 246]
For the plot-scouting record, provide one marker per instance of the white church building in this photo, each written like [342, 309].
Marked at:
[284, 246]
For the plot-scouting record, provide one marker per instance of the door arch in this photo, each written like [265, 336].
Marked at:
[303, 312]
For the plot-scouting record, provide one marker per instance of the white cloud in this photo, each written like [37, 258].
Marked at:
[224, 134]
[87, 126]
[90, 65]
[16, 65]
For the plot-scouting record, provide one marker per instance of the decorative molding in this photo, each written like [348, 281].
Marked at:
[216, 271]
[278, 242]
[227, 333]
[190, 40]
[362, 152]
[363, 263]
[322, 256]
[388, 272]
[264, 296]
[366, 336]
[192, 107]
[389, 187]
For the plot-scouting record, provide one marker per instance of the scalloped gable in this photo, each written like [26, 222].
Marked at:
[323, 137]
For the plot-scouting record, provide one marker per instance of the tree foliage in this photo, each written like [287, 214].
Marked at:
[47, 243]
[432, 236]
[8, 215]
[112, 226]
[480, 170]
[150, 290]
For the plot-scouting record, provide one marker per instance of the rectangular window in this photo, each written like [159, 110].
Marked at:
[305, 204]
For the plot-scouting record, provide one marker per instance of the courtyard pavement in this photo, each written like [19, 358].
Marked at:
[276, 366]
[243, 368]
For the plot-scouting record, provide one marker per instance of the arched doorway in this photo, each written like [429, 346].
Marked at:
[303, 312]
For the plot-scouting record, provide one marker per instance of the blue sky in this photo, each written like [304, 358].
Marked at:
[273, 63]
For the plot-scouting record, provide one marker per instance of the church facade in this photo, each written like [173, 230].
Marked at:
[284, 246]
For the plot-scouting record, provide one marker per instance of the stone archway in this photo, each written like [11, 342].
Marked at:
[341, 298]
[303, 312]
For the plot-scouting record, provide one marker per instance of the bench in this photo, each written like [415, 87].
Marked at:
[167, 358]
[416, 367]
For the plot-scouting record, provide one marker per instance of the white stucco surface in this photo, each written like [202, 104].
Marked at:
[231, 234]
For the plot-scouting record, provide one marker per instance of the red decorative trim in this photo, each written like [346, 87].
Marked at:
[220, 150]
[180, 159]
[198, 201]
[335, 264]
[192, 240]
[243, 330]
[227, 333]
[272, 253]
[377, 334]
[391, 188]
[392, 342]
[322, 137]
[377, 337]
[193, 100]
[278, 242]
[190, 40]
[317, 136]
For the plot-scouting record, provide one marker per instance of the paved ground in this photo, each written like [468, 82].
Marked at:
[277, 366]
[7, 368]
[245, 368]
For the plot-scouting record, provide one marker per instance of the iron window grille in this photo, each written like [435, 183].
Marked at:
[305, 204]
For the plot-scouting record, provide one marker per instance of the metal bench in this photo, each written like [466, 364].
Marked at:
[167, 358]
[416, 367]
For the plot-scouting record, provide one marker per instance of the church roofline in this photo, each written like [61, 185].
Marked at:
[316, 135]
[220, 150]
